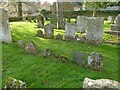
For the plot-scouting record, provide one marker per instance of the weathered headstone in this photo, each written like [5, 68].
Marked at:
[79, 57]
[81, 23]
[110, 18]
[53, 19]
[12, 83]
[40, 33]
[95, 29]
[40, 20]
[4, 25]
[21, 44]
[100, 84]
[31, 48]
[49, 32]
[95, 61]
[70, 29]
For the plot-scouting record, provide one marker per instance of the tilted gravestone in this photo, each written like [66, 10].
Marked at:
[40, 20]
[95, 61]
[116, 27]
[95, 28]
[79, 58]
[4, 25]
[48, 29]
[53, 19]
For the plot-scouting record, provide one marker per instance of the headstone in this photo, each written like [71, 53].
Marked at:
[116, 27]
[100, 84]
[21, 43]
[95, 61]
[40, 20]
[95, 29]
[53, 19]
[70, 29]
[49, 32]
[81, 23]
[31, 48]
[79, 57]
[12, 83]
[59, 36]
[4, 25]
[47, 52]
[110, 18]
[40, 33]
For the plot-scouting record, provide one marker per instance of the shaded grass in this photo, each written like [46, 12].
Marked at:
[39, 72]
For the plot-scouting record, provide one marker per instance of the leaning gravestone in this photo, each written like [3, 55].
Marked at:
[95, 61]
[31, 48]
[79, 57]
[100, 84]
[12, 83]
[95, 29]
[49, 32]
[4, 25]
[70, 29]
[40, 20]
[53, 19]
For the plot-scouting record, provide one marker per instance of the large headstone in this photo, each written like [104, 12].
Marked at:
[4, 25]
[70, 29]
[79, 57]
[95, 28]
[95, 61]
[49, 32]
[81, 23]
[53, 19]
[100, 84]
[40, 20]
[116, 27]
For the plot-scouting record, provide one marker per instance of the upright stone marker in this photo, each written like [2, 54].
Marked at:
[4, 25]
[40, 20]
[95, 29]
[53, 19]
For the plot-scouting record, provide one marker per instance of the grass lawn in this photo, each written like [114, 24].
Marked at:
[39, 72]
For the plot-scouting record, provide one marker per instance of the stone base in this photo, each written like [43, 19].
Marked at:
[115, 28]
[113, 32]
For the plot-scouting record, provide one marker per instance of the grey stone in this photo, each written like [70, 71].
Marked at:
[101, 84]
[31, 48]
[40, 33]
[95, 61]
[12, 83]
[95, 29]
[53, 19]
[40, 20]
[59, 36]
[79, 58]
[21, 44]
[4, 25]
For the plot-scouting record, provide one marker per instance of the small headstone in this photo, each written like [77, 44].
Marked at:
[21, 43]
[40, 20]
[95, 61]
[12, 83]
[79, 57]
[100, 84]
[47, 52]
[5, 35]
[49, 32]
[59, 36]
[40, 33]
[53, 19]
[31, 48]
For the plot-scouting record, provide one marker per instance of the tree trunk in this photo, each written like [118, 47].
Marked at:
[19, 9]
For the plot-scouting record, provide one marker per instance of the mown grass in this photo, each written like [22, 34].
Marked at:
[39, 72]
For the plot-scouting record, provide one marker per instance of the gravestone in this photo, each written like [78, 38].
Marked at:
[79, 58]
[4, 25]
[31, 48]
[59, 36]
[21, 44]
[12, 83]
[95, 29]
[70, 29]
[100, 84]
[95, 61]
[40, 20]
[109, 18]
[40, 33]
[116, 27]
[49, 32]
[53, 19]
[47, 52]
[81, 23]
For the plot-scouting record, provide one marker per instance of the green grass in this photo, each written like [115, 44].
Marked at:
[39, 72]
